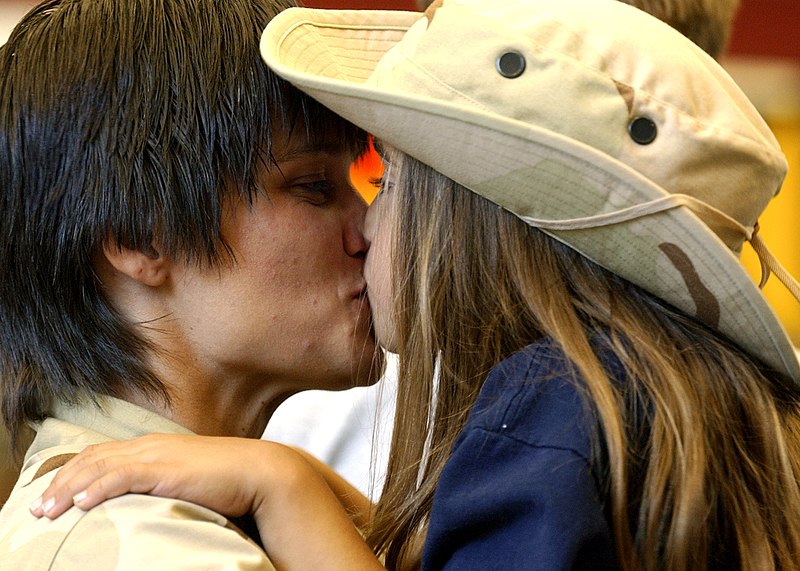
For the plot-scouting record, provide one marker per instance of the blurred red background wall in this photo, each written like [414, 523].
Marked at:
[762, 27]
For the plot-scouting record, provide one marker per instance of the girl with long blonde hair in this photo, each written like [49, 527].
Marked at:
[691, 443]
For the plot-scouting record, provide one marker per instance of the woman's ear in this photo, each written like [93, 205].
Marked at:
[146, 267]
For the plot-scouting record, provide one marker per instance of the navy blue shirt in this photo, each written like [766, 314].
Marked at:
[521, 489]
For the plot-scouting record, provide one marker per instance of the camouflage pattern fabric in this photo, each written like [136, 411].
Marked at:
[130, 532]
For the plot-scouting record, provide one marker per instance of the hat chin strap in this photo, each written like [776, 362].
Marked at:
[769, 263]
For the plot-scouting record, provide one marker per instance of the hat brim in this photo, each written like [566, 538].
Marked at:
[331, 54]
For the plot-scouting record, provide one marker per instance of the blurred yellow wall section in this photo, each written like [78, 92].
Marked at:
[780, 230]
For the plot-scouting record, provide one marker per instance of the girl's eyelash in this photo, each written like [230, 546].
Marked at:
[376, 181]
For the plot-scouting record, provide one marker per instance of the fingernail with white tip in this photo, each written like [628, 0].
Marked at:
[48, 505]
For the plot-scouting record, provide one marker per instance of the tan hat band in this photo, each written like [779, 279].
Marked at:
[706, 212]
[703, 210]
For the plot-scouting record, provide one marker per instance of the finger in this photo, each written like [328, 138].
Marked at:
[90, 455]
[136, 478]
[143, 447]
[94, 482]
[70, 480]
[84, 467]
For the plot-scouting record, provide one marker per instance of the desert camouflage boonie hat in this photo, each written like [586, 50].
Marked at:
[588, 119]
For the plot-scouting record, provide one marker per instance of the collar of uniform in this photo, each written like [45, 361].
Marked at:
[75, 426]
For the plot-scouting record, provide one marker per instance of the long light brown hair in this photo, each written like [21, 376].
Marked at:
[707, 479]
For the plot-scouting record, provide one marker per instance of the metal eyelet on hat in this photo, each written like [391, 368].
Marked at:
[642, 130]
[511, 64]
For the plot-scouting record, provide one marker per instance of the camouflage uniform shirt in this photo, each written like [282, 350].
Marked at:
[130, 532]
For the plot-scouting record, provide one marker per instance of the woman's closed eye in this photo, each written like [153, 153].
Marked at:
[384, 185]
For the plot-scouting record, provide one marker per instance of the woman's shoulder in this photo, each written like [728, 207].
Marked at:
[545, 359]
[537, 396]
